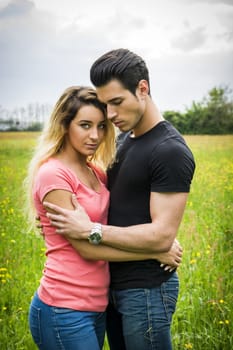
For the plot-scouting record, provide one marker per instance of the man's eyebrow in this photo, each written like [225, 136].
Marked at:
[114, 99]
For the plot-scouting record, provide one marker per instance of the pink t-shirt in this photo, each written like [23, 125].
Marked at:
[70, 281]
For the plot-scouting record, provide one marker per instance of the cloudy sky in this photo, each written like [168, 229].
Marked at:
[48, 45]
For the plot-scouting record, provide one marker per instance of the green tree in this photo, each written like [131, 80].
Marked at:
[219, 111]
[213, 115]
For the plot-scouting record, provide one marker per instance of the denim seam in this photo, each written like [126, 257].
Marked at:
[166, 298]
[38, 316]
[57, 335]
[148, 332]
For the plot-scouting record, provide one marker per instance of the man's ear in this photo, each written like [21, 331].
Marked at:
[143, 87]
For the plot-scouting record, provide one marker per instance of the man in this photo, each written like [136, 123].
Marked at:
[149, 184]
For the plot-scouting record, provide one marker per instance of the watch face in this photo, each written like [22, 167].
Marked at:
[95, 237]
[96, 234]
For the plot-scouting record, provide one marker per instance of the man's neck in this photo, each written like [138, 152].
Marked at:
[151, 117]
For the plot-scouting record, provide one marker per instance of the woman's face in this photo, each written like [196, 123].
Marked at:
[86, 131]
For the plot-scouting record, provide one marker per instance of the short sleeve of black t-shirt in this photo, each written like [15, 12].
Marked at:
[171, 167]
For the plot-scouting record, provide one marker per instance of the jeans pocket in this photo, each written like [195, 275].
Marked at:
[170, 290]
[35, 324]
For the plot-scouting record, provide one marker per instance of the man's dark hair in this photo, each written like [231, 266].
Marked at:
[120, 64]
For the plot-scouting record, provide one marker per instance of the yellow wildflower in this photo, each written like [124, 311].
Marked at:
[193, 261]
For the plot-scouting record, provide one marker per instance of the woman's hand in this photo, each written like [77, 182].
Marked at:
[171, 259]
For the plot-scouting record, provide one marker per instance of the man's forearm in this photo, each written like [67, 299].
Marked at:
[104, 252]
[149, 237]
[172, 259]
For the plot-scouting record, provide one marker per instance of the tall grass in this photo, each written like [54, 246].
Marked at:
[204, 315]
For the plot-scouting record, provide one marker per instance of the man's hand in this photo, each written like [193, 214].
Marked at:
[171, 259]
[74, 224]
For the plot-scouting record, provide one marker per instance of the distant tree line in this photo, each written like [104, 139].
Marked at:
[30, 118]
[212, 115]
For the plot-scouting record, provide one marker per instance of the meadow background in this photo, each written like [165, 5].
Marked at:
[204, 315]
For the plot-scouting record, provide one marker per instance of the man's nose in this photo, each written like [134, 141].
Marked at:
[111, 112]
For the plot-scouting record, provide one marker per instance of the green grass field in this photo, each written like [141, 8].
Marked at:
[204, 315]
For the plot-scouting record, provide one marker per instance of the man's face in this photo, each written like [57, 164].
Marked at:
[124, 109]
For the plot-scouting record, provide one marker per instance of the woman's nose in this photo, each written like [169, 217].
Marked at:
[94, 134]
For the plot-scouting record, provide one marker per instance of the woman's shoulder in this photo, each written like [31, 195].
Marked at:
[53, 167]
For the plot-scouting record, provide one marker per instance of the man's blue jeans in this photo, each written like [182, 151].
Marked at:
[55, 328]
[140, 319]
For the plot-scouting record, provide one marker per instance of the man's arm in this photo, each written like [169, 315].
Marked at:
[166, 211]
[102, 252]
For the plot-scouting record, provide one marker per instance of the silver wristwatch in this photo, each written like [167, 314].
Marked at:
[95, 235]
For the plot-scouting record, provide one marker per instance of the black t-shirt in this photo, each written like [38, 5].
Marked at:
[157, 161]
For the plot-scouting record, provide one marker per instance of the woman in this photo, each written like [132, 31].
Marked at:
[68, 309]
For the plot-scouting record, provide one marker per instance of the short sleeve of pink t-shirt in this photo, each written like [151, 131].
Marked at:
[69, 280]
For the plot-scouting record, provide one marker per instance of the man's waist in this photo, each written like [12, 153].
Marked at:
[137, 274]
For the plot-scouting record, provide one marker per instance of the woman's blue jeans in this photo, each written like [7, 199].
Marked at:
[55, 328]
[140, 319]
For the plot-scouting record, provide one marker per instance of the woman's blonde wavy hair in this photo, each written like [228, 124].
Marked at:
[52, 137]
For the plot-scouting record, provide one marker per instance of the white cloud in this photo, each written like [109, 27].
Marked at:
[175, 85]
[190, 40]
[46, 46]
[212, 2]
[16, 8]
